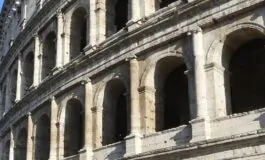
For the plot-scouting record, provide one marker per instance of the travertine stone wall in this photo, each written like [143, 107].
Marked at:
[127, 69]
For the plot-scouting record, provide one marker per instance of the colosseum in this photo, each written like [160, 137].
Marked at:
[132, 79]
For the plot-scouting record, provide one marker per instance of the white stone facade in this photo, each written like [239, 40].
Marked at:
[132, 79]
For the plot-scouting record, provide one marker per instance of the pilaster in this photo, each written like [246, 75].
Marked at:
[100, 12]
[54, 130]
[30, 139]
[12, 145]
[133, 141]
[36, 71]
[88, 119]
[60, 26]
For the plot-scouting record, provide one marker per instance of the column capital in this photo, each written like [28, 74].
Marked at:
[132, 57]
[52, 98]
[194, 30]
[59, 13]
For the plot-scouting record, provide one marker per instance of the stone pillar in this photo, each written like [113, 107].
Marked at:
[60, 26]
[149, 7]
[101, 20]
[92, 23]
[135, 9]
[30, 139]
[197, 81]
[19, 79]
[12, 145]
[199, 71]
[133, 141]
[54, 130]
[88, 119]
[36, 71]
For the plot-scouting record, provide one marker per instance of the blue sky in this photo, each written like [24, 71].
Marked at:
[1, 3]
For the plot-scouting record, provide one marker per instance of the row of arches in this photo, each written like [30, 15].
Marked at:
[244, 74]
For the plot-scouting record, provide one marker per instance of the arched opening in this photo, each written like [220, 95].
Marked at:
[21, 145]
[6, 150]
[78, 32]
[13, 86]
[115, 112]
[42, 138]
[242, 57]
[172, 96]
[165, 3]
[28, 68]
[49, 55]
[74, 128]
[247, 76]
[116, 15]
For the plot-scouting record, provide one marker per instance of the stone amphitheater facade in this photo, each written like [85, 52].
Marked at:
[132, 79]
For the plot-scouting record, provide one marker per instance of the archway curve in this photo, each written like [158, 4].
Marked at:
[219, 56]
[162, 95]
[150, 69]
[214, 53]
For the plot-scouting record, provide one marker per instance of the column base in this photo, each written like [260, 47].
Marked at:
[199, 130]
[133, 144]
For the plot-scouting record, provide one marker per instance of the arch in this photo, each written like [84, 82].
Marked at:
[6, 150]
[115, 112]
[214, 54]
[219, 58]
[28, 69]
[168, 92]
[78, 32]
[116, 15]
[21, 145]
[42, 138]
[74, 127]
[49, 54]
[13, 86]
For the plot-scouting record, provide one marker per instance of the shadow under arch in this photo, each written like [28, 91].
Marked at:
[115, 104]
[49, 54]
[74, 127]
[78, 32]
[21, 145]
[42, 137]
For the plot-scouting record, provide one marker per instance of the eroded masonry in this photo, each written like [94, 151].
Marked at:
[132, 79]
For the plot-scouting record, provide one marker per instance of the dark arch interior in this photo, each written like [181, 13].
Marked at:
[49, 55]
[121, 10]
[176, 102]
[6, 150]
[165, 3]
[117, 15]
[115, 112]
[172, 96]
[74, 128]
[78, 32]
[247, 76]
[42, 139]
[28, 67]
[21, 145]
